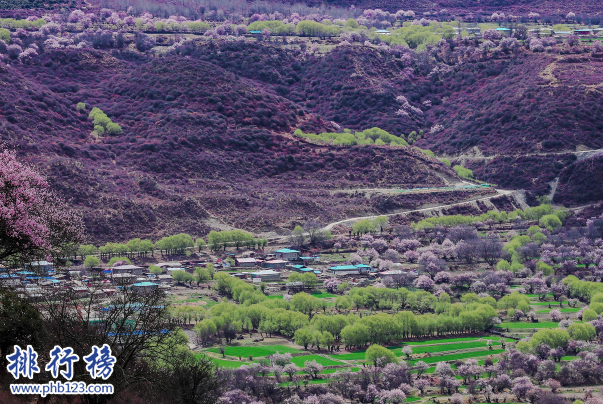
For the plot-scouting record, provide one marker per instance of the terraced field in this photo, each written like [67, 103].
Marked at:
[246, 351]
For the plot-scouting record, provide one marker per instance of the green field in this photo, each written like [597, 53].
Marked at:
[448, 340]
[275, 297]
[466, 355]
[553, 304]
[450, 347]
[227, 364]
[566, 310]
[255, 351]
[299, 360]
[411, 399]
[323, 295]
[542, 324]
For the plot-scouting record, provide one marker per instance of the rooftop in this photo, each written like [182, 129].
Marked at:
[286, 250]
[142, 284]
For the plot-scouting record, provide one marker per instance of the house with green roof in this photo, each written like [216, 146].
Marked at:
[287, 254]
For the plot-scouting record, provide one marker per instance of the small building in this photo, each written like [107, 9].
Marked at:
[81, 291]
[287, 254]
[382, 32]
[583, 32]
[309, 260]
[562, 34]
[164, 279]
[240, 275]
[266, 275]
[245, 262]
[123, 279]
[350, 269]
[144, 287]
[503, 31]
[43, 267]
[275, 264]
[300, 268]
[131, 269]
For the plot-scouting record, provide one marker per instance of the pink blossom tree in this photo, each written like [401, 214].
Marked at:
[34, 222]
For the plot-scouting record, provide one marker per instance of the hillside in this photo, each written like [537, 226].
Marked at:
[197, 142]
[464, 7]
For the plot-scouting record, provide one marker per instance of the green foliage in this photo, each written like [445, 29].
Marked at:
[428, 152]
[380, 356]
[81, 107]
[551, 222]
[514, 301]
[545, 268]
[417, 36]
[175, 244]
[84, 250]
[197, 27]
[113, 128]
[582, 331]
[584, 290]
[534, 213]
[303, 337]
[366, 137]
[553, 337]
[503, 265]
[589, 315]
[102, 123]
[155, 270]
[91, 261]
[446, 161]
[463, 172]
[182, 276]
[313, 28]
[352, 23]
[235, 238]
[5, 35]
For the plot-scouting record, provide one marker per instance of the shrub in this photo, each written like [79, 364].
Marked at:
[81, 107]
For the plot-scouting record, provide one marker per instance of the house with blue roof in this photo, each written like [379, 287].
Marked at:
[351, 269]
[144, 287]
[287, 254]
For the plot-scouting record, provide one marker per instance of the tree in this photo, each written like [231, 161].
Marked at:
[34, 222]
[155, 270]
[189, 377]
[303, 337]
[380, 223]
[315, 232]
[554, 338]
[136, 327]
[551, 222]
[205, 330]
[297, 236]
[91, 261]
[363, 226]
[582, 332]
[313, 368]
[304, 303]
[182, 277]
[380, 356]
[20, 324]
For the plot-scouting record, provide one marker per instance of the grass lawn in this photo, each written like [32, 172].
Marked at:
[450, 347]
[299, 360]
[323, 295]
[542, 324]
[449, 340]
[536, 295]
[255, 351]
[467, 355]
[227, 364]
[411, 399]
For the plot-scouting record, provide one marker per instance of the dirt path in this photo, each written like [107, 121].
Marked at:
[499, 192]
